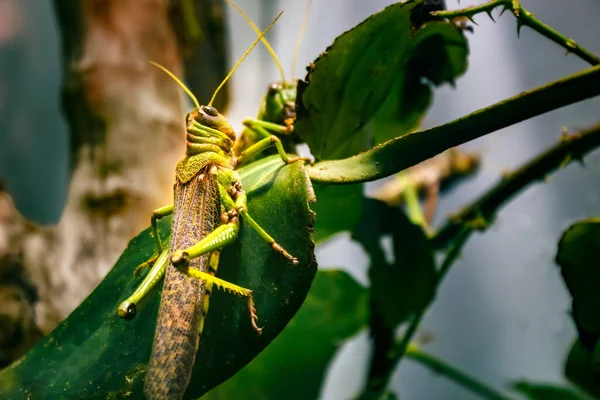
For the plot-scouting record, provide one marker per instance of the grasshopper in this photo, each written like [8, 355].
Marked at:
[208, 201]
[273, 123]
[277, 111]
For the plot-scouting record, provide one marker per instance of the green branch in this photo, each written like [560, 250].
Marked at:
[413, 148]
[524, 18]
[480, 214]
[454, 374]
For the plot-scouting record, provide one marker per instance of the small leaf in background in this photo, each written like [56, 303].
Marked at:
[338, 209]
[582, 369]
[94, 354]
[403, 288]
[294, 364]
[579, 259]
[382, 60]
[540, 391]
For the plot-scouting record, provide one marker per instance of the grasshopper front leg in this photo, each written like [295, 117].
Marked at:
[239, 205]
[156, 215]
[212, 243]
[265, 130]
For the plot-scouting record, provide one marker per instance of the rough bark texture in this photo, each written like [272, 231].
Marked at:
[126, 122]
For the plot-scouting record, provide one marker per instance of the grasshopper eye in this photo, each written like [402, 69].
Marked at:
[274, 88]
[210, 111]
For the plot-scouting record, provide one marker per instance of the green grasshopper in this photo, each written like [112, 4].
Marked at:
[208, 201]
[277, 111]
[275, 120]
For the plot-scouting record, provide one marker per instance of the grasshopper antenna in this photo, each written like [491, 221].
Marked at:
[242, 59]
[264, 40]
[300, 37]
[181, 84]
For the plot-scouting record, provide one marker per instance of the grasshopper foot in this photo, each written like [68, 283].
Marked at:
[291, 160]
[253, 316]
[278, 248]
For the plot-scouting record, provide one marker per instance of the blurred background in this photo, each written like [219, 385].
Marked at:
[502, 313]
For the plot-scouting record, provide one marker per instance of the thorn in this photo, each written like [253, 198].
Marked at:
[472, 19]
[504, 9]
[578, 158]
[519, 26]
[546, 179]
[489, 13]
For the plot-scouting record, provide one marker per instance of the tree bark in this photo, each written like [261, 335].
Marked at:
[126, 121]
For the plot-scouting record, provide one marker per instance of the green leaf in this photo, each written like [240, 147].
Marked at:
[94, 354]
[382, 60]
[579, 260]
[294, 365]
[540, 391]
[338, 209]
[407, 285]
[582, 370]
[440, 55]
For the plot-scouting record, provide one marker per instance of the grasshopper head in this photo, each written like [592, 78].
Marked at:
[279, 104]
[210, 117]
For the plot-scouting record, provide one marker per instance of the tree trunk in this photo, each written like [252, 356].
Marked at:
[126, 122]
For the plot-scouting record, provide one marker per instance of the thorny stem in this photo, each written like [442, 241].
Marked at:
[479, 214]
[454, 374]
[524, 18]
[383, 160]
[377, 385]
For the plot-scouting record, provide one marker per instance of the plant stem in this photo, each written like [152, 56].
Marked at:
[410, 149]
[454, 374]
[480, 213]
[379, 381]
[524, 18]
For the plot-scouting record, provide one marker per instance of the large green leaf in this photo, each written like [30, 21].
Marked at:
[385, 57]
[539, 391]
[94, 354]
[294, 365]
